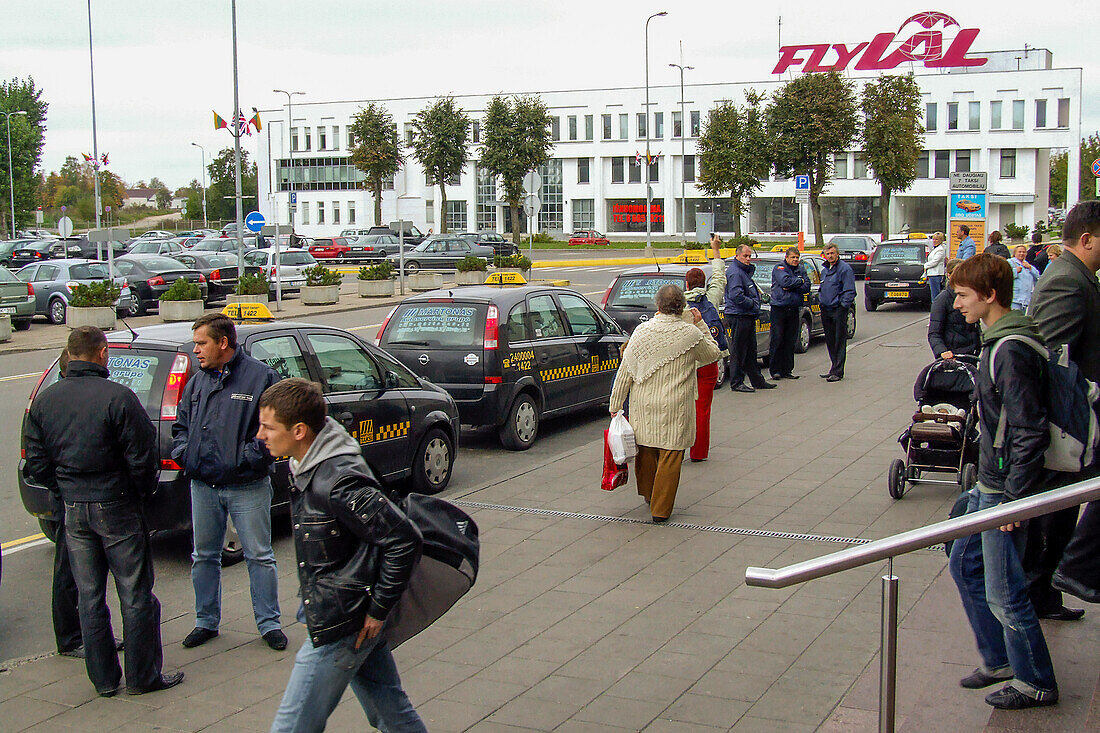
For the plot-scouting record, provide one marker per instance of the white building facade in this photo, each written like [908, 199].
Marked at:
[1004, 117]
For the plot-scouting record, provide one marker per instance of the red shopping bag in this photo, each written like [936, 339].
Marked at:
[614, 475]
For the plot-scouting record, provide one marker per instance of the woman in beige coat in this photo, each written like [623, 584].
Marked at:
[658, 374]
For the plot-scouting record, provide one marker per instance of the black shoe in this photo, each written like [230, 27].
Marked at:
[776, 377]
[660, 520]
[77, 652]
[1063, 614]
[165, 681]
[833, 378]
[698, 460]
[978, 679]
[788, 376]
[109, 693]
[824, 376]
[1009, 698]
[275, 639]
[765, 385]
[742, 388]
[198, 637]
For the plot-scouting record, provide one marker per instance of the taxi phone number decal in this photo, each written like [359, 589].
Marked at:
[522, 360]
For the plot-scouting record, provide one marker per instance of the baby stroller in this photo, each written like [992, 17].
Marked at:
[944, 435]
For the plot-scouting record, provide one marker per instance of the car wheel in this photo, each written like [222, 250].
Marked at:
[56, 311]
[23, 325]
[137, 308]
[522, 427]
[804, 328]
[49, 528]
[412, 266]
[852, 323]
[433, 463]
[870, 304]
[896, 478]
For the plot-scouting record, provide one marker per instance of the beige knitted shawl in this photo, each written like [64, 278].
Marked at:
[657, 342]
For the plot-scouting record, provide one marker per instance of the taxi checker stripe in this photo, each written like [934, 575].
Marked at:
[549, 375]
[392, 431]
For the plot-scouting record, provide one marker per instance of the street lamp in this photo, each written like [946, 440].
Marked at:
[683, 157]
[95, 156]
[648, 187]
[290, 153]
[11, 173]
[205, 223]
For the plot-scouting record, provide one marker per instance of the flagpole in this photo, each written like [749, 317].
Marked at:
[237, 150]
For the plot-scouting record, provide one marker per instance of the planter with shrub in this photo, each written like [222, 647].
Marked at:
[251, 289]
[1016, 232]
[423, 281]
[470, 270]
[322, 286]
[513, 263]
[181, 302]
[376, 281]
[93, 304]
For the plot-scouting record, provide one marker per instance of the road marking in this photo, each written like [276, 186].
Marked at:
[24, 542]
[364, 328]
[20, 376]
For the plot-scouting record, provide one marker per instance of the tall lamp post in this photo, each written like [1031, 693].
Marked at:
[289, 155]
[683, 157]
[95, 154]
[237, 150]
[205, 222]
[648, 187]
[11, 173]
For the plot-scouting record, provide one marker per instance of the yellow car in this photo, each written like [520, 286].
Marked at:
[968, 205]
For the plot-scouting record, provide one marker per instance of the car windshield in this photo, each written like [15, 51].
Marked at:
[160, 264]
[762, 275]
[145, 248]
[91, 271]
[639, 291]
[903, 253]
[432, 324]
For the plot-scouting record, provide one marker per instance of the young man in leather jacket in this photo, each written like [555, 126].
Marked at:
[356, 552]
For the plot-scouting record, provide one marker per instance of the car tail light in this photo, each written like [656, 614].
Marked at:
[154, 281]
[215, 274]
[273, 271]
[202, 278]
[177, 378]
[30, 290]
[860, 257]
[382, 328]
[167, 464]
[607, 294]
[491, 323]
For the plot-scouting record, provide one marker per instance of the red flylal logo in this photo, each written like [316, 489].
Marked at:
[924, 41]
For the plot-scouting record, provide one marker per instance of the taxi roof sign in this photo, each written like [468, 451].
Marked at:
[505, 278]
[248, 312]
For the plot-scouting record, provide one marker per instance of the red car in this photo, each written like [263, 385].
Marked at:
[330, 248]
[588, 236]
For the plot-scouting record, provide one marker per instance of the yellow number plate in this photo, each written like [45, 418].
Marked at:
[897, 293]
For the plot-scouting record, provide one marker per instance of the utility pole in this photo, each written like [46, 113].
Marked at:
[683, 156]
[648, 186]
[236, 150]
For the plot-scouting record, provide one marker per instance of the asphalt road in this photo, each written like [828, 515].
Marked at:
[25, 628]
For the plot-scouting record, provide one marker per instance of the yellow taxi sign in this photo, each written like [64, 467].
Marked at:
[693, 255]
[505, 278]
[248, 312]
[919, 235]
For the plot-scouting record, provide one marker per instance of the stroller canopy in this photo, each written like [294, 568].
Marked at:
[947, 380]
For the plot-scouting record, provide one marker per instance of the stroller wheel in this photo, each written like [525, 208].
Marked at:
[968, 477]
[896, 478]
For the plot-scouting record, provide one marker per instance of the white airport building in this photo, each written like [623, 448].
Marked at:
[1004, 116]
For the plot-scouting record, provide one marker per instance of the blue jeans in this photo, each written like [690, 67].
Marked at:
[935, 285]
[250, 507]
[321, 674]
[993, 588]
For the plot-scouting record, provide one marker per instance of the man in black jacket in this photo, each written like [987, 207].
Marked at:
[356, 552]
[742, 308]
[214, 440]
[949, 334]
[90, 441]
[837, 295]
[1012, 399]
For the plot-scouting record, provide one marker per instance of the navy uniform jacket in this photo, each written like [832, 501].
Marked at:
[742, 294]
[789, 285]
[838, 286]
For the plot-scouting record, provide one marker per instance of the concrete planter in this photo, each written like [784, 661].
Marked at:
[172, 311]
[101, 317]
[423, 281]
[230, 299]
[376, 288]
[5, 327]
[320, 294]
[474, 277]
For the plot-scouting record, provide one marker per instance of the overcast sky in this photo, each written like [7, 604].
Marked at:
[161, 67]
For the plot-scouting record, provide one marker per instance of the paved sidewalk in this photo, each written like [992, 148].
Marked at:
[587, 618]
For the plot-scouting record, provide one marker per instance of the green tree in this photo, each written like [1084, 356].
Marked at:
[892, 135]
[111, 190]
[221, 193]
[733, 153]
[375, 150]
[28, 135]
[516, 141]
[1059, 167]
[442, 131]
[808, 120]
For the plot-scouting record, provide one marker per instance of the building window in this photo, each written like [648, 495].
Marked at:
[306, 130]
[606, 119]
[429, 211]
[410, 131]
[641, 124]
[351, 212]
[322, 138]
[335, 137]
[583, 172]
[995, 114]
[294, 139]
[943, 164]
[455, 180]
[635, 169]
[617, 170]
[486, 199]
[922, 164]
[975, 110]
[654, 171]
[930, 117]
[962, 161]
[677, 124]
[477, 131]
[388, 181]
[584, 214]
[952, 115]
[335, 212]
[320, 212]
[1063, 113]
[624, 126]
[555, 128]
[572, 127]
[840, 165]
[659, 125]
[689, 168]
[1017, 114]
[859, 169]
[351, 138]
[695, 124]
[551, 217]
[588, 127]
[1008, 163]
[1040, 113]
[305, 213]
[456, 216]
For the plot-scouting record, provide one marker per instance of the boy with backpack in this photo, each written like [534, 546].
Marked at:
[1012, 408]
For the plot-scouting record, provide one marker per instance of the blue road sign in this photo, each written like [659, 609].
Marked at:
[293, 197]
[801, 183]
[254, 222]
[1096, 167]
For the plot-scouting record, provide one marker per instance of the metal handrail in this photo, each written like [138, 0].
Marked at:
[890, 547]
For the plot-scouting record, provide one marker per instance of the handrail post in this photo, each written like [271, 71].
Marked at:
[889, 653]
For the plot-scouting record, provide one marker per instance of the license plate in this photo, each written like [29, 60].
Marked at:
[294, 283]
[9, 311]
[846, 256]
[897, 293]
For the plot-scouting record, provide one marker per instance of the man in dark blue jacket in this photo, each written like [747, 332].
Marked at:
[214, 440]
[742, 308]
[790, 284]
[837, 295]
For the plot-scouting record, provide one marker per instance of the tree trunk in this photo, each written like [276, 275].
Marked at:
[884, 207]
[514, 207]
[377, 190]
[443, 208]
[735, 209]
[815, 209]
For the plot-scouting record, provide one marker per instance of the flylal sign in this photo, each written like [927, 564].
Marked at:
[920, 38]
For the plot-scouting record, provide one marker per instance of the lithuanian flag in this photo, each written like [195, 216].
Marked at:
[219, 123]
[255, 120]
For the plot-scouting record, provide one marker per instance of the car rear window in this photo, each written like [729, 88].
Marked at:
[221, 260]
[143, 371]
[640, 290]
[88, 272]
[436, 325]
[850, 244]
[161, 264]
[7, 277]
[296, 258]
[762, 275]
[908, 253]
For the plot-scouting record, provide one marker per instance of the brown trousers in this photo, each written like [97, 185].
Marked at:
[658, 474]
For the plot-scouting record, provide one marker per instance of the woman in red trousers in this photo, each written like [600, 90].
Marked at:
[705, 297]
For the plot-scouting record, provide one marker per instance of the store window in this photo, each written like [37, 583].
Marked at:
[617, 170]
[584, 214]
[677, 124]
[588, 127]
[624, 126]
[695, 124]
[974, 110]
[942, 167]
[1063, 113]
[641, 125]
[995, 110]
[840, 165]
[335, 212]
[659, 125]
[606, 119]
[962, 161]
[952, 115]
[1040, 113]
[584, 170]
[689, 168]
[851, 214]
[766, 214]
[1017, 114]
[456, 216]
[930, 117]
[628, 215]
[1008, 163]
[572, 127]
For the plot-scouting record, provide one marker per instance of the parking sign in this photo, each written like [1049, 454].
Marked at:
[802, 183]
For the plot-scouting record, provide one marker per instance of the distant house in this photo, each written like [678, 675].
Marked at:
[140, 197]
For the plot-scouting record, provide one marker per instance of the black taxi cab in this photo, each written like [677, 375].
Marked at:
[508, 356]
[407, 427]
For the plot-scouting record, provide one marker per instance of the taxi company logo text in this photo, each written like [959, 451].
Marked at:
[923, 41]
